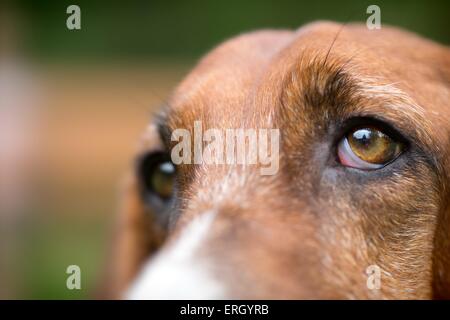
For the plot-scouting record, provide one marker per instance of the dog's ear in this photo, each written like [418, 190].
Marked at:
[441, 257]
[136, 236]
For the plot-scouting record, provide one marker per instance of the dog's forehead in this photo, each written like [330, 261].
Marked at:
[220, 89]
[233, 79]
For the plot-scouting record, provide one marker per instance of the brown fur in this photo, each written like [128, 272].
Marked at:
[311, 230]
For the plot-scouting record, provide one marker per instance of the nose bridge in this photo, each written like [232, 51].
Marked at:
[179, 271]
[223, 187]
[230, 251]
[250, 244]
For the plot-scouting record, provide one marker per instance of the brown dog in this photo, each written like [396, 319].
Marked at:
[359, 207]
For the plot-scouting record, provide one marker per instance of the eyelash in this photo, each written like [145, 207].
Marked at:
[347, 124]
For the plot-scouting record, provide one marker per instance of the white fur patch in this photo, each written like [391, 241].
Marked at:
[177, 273]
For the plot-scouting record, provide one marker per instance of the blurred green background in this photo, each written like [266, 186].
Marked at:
[186, 29]
[101, 84]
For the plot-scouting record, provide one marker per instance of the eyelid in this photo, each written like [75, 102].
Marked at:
[385, 125]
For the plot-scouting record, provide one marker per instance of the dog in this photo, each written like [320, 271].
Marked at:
[359, 207]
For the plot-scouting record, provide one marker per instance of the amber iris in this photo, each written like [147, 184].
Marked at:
[373, 146]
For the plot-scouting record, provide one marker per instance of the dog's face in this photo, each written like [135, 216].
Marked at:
[361, 192]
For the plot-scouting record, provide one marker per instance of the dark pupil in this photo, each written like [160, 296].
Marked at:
[363, 137]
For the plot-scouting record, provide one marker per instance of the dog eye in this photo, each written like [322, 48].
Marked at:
[368, 148]
[157, 175]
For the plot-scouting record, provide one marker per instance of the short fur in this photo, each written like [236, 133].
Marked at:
[311, 230]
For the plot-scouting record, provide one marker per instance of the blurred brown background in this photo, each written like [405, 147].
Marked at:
[73, 103]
